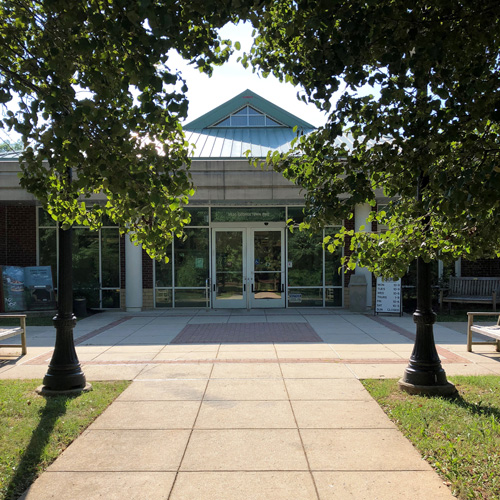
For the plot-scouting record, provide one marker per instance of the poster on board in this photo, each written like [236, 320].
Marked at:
[13, 297]
[26, 288]
[388, 296]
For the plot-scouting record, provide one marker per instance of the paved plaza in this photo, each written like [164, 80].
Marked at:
[243, 405]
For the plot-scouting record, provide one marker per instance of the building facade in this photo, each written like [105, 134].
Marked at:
[238, 252]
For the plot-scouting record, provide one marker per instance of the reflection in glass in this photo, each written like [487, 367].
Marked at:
[267, 285]
[267, 250]
[111, 298]
[47, 244]
[110, 258]
[86, 265]
[190, 298]
[333, 266]
[305, 297]
[163, 270]
[191, 258]
[305, 259]
[163, 298]
[229, 264]
[44, 219]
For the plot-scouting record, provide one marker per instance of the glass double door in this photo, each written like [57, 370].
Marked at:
[248, 267]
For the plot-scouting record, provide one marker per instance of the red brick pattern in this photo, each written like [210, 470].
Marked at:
[487, 268]
[18, 235]
[245, 333]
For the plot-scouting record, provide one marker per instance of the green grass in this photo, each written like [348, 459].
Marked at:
[459, 437]
[34, 430]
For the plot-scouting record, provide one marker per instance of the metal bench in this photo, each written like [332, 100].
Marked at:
[492, 331]
[471, 290]
[12, 331]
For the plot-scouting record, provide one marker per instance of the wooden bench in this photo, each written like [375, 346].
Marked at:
[12, 331]
[492, 331]
[471, 290]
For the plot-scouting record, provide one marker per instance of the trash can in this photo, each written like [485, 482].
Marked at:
[357, 293]
[80, 307]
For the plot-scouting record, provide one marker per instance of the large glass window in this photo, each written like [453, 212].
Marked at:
[96, 260]
[305, 259]
[191, 259]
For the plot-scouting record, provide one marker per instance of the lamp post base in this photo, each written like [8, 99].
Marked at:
[45, 391]
[445, 390]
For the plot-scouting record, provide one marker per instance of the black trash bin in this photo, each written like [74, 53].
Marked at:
[80, 307]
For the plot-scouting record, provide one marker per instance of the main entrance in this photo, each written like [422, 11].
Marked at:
[248, 267]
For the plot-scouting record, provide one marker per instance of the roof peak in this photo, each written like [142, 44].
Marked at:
[250, 98]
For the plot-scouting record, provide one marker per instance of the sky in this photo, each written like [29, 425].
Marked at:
[229, 80]
[232, 78]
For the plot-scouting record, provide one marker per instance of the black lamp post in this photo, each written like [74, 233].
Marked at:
[64, 374]
[424, 373]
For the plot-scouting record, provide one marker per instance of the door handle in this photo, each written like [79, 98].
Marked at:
[244, 287]
[253, 291]
[214, 287]
[282, 287]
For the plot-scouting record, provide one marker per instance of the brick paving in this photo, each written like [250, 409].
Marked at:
[246, 333]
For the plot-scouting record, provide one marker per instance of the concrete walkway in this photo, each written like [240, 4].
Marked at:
[243, 420]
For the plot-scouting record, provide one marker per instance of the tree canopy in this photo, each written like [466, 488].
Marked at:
[96, 97]
[417, 91]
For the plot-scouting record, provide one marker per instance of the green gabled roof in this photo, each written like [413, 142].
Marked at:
[247, 98]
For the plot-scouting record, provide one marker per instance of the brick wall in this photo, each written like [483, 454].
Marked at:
[147, 270]
[17, 235]
[481, 268]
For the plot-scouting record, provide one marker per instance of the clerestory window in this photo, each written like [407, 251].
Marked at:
[248, 117]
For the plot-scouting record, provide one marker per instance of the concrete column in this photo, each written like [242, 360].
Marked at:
[361, 212]
[133, 276]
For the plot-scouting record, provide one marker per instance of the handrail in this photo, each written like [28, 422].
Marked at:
[207, 294]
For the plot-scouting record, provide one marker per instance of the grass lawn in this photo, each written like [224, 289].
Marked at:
[459, 437]
[34, 430]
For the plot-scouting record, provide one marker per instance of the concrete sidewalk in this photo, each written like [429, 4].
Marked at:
[239, 420]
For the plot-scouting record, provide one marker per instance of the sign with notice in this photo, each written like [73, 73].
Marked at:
[388, 296]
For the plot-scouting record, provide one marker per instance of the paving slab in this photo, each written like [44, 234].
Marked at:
[176, 371]
[393, 485]
[244, 450]
[119, 450]
[244, 485]
[144, 485]
[168, 390]
[246, 370]
[245, 415]
[316, 370]
[361, 450]
[245, 389]
[148, 415]
[325, 389]
[340, 415]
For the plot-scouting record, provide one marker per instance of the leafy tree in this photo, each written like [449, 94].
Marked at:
[426, 136]
[416, 86]
[97, 97]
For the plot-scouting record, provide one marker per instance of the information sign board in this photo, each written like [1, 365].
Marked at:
[388, 299]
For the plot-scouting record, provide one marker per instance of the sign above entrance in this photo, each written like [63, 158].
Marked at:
[260, 214]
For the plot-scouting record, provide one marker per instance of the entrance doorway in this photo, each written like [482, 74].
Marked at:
[248, 268]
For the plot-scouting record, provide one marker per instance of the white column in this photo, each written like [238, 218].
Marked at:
[361, 212]
[133, 276]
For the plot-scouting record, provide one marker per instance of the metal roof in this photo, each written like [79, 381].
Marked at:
[224, 143]
[216, 143]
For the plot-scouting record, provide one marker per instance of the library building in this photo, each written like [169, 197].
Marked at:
[238, 252]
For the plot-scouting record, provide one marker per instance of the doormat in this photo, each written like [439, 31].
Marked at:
[246, 333]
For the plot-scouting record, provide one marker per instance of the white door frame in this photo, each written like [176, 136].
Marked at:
[248, 230]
